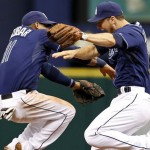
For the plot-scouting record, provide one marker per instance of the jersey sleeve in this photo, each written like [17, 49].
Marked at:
[127, 39]
[50, 72]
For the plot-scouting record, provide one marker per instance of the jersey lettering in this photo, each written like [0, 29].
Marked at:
[112, 52]
[8, 51]
[21, 31]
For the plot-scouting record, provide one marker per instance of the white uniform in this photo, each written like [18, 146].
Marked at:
[47, 116]
[113, 127]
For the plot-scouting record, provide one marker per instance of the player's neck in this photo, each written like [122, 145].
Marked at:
[121, 24]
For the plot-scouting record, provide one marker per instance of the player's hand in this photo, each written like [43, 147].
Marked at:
[76, 86]
[69, 54]
[108, 70]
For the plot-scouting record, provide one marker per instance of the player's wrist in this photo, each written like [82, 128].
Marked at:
[76, 85]
[72, 83]
[100, 63]
[84, 36]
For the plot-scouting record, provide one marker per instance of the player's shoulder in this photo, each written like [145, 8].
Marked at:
[132, 27]
[137, 27]
[28, 33]
[21, 31]
[41, 34]
[25, 31]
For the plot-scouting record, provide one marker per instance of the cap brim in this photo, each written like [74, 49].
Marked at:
[95, 19]
[48, 22]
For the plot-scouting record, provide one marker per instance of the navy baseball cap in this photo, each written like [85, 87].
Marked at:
[36, 16]
[106, 9]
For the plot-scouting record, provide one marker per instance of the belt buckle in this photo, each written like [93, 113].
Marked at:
[124, 90]
[127, 89]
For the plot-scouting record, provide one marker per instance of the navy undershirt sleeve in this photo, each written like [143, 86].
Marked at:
[52, 73]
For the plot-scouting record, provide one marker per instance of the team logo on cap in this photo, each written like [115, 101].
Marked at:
[96, 11]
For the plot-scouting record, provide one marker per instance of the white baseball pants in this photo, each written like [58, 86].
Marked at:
[115, 127]
[47, 116]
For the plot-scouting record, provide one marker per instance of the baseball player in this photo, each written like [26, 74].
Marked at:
[23, 60]
[115, 127]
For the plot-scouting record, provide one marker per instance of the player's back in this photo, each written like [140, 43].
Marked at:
[22, 59]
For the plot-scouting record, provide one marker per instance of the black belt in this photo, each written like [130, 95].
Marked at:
[125, 89]
[10, 95]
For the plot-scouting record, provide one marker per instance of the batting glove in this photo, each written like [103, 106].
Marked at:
[7, 113]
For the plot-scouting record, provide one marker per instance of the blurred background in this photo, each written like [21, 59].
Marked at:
[73, 12]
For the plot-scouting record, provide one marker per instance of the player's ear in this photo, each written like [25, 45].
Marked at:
[112, 19]
[36, 25]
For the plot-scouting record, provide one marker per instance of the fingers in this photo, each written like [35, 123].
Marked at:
[59, 54]
[69, 54]
[108, 70]
[67, 57]
[112, 77]
[64, 54]
[104, 74]
[110, 73]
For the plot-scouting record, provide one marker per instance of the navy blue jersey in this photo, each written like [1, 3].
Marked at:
[20, 66]
[130, 56]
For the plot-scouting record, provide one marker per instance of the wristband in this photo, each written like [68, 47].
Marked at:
[84, 36]
[72, 83]
[100, 63]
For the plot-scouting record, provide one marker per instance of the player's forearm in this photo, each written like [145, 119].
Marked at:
[52, 73]
[87, 52]
[101, 39]
[98, 62]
